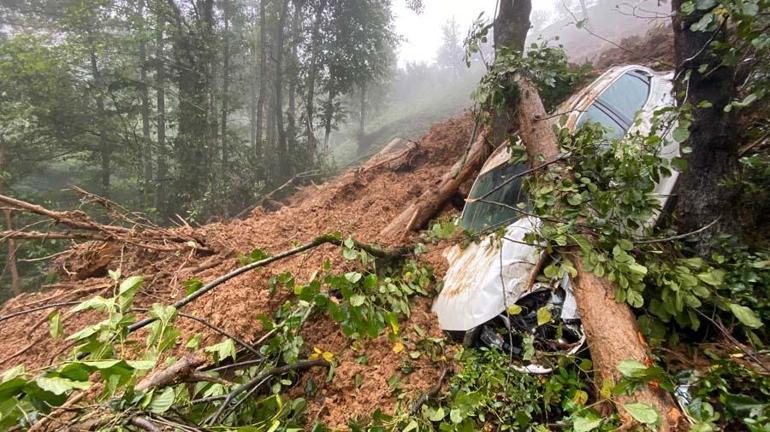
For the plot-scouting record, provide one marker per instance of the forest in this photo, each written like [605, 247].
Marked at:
[254, 215]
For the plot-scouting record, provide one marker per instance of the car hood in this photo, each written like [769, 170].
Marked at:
[479, 274]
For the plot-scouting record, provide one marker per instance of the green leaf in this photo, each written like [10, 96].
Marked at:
[54, 324]
[437, 415]
[514, 309]
[60, 386]
[357, 300]
[456, 415]
[162, 402]
[141, 365]
[642, 413]
[632, 368]
[130, 284]
[353, 277]
[544, 315]
[682, 131]
[98, 303]
[713, 277]
[191, 285]
[745, 315]
[411, 426]
[585, 424]
[222, 350]
[194, 342]
[101, 364]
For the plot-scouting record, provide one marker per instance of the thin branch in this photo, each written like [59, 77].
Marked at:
[278, 371]
[678, 236]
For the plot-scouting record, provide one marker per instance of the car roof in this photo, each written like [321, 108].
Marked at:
[574, 107]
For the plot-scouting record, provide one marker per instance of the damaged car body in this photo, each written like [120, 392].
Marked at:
[489, 295]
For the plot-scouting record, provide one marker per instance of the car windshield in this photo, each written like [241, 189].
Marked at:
[501, 185]
[617, 106]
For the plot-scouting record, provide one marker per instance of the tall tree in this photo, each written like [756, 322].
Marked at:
[706, 85]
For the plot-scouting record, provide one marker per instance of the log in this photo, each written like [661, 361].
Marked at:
[431, 201]
[611, 328]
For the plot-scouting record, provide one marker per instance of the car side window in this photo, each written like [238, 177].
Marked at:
[617, 106]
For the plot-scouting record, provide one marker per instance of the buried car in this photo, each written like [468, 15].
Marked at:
[488, 278]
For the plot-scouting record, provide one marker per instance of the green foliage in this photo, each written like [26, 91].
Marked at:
[729, 395]
[365, 303]
[748, 22]
[546, 66]
[486, 391]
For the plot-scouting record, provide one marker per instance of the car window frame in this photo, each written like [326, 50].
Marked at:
[624, 123]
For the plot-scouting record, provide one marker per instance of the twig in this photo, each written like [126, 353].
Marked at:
[39, 308]
[433, 391]
[184, 366]
[144, 423]
[678, 236]
[37, 235]
[301, 365]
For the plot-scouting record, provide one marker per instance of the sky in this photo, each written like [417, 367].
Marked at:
[422, 33]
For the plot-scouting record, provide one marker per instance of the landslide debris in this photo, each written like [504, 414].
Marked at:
[358, 202]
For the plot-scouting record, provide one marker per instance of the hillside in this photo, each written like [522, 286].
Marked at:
[356, 203]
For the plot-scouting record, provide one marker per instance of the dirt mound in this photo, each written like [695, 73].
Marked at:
[358, 202]
[655, 49]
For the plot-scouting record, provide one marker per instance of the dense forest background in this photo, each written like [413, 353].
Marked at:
[194, 110]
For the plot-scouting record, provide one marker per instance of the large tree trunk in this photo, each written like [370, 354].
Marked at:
[283, 159]
[160, 97]
[225, 82]
[105, 150]
[293, 71]
[329, 114]
[11, 256]
[510, 33]
[146, 148]
[262, 78]
[611, 329]
[701, 195]
[315, 43]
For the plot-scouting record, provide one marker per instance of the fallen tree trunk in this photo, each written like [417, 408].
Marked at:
[431, 201]
[611, 329]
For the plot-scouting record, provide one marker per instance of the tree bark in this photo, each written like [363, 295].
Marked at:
[105, 150]
[315, 43]
[701, 196]
[225, 81]
[329, 114]
[283, 160]
[262, 78]
[510, 33]
[145, 111]
[611, 329]
[161, 204]
[11, 256]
